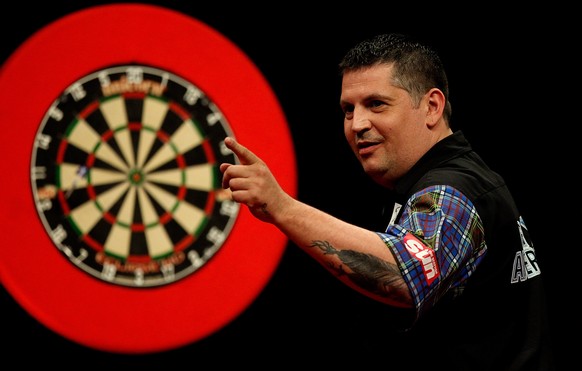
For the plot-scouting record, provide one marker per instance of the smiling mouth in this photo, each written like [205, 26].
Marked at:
[365, 148]
[366, 144]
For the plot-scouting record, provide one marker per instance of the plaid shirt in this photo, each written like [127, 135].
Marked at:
[447, 243]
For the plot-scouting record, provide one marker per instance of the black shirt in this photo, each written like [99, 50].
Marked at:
[468, 259]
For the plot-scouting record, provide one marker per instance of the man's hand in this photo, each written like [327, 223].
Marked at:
[252, 183]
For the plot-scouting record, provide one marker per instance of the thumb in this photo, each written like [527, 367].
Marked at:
[245, 156]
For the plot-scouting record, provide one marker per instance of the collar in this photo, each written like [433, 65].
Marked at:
[453, 146]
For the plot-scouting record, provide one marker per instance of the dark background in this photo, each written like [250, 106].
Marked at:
[507, 72]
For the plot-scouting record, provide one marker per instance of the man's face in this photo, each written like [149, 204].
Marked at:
[385, 130]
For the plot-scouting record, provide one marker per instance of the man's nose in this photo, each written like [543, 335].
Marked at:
[361, 120]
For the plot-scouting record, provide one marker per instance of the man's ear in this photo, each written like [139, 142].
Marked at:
[435, 106]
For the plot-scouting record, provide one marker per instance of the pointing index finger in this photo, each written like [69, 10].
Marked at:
[245, 156]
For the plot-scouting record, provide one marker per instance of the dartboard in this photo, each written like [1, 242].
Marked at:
[115, 232]
[125, 175]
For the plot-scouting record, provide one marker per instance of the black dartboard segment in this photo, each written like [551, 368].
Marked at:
[125, 176]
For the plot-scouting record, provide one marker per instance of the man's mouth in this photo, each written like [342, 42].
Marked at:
[365, 147]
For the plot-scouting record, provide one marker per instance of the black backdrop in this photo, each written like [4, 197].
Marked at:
[503, 90]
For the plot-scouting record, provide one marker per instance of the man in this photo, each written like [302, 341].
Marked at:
[455, 253]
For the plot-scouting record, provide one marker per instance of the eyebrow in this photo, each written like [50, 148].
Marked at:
[372, 97]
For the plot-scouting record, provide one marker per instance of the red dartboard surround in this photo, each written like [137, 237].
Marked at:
[115, 232]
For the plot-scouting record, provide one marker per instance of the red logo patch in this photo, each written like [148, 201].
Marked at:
[424, 255]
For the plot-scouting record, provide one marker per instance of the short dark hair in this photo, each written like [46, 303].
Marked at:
[417, 66]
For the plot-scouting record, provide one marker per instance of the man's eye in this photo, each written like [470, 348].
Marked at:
[376, 103]
[347, 109]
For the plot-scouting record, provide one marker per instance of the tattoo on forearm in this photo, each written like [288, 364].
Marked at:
[367, 271]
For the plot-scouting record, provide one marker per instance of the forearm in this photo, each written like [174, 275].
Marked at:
[356, 256]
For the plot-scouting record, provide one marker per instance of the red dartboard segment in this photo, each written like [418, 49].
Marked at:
[92, 311]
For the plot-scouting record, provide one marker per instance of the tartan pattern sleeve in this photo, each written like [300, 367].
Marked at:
[438, 243]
